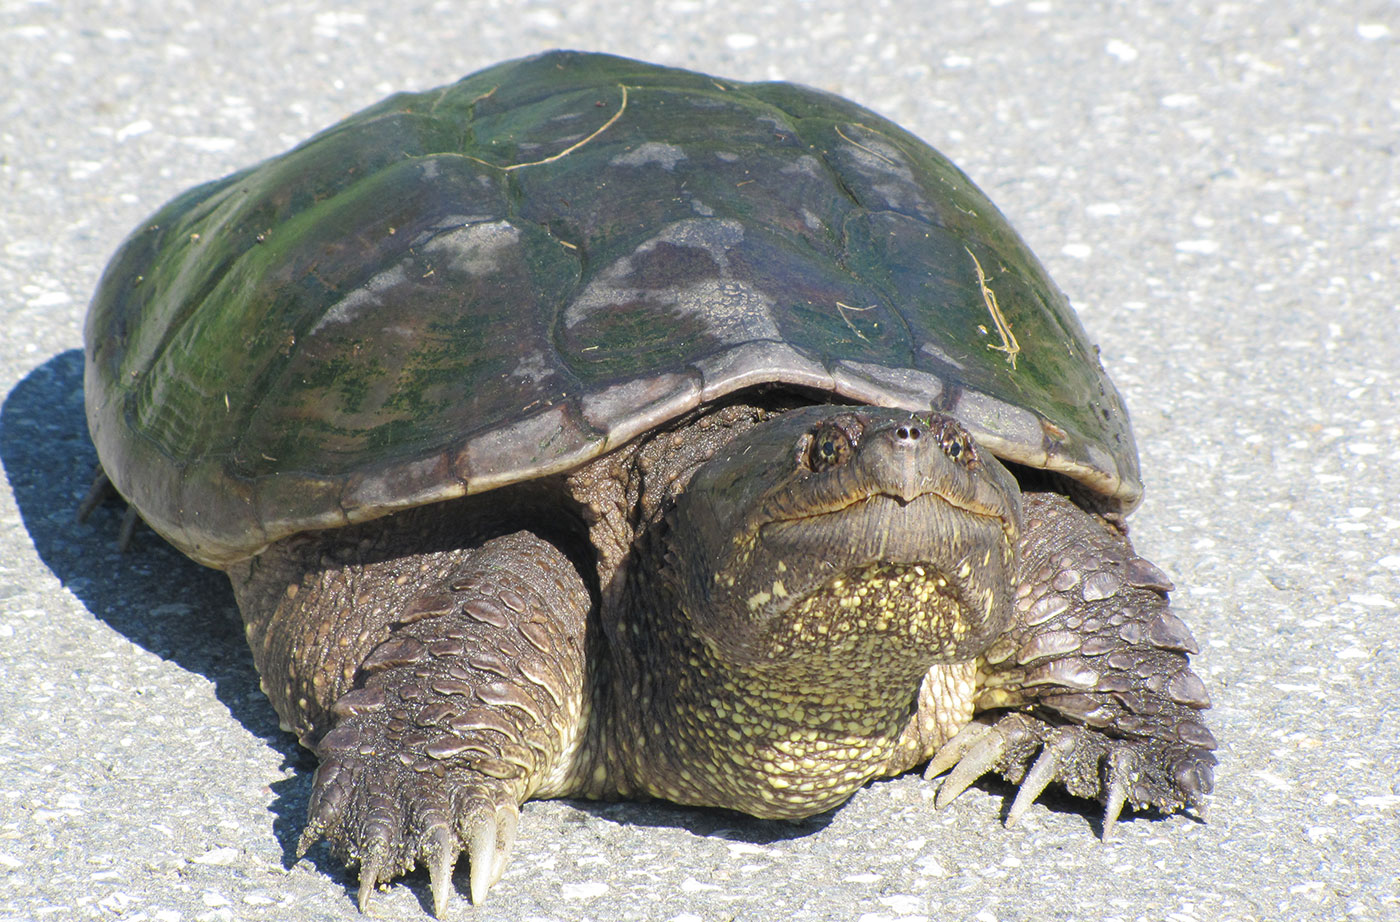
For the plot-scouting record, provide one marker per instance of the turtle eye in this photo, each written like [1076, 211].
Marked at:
[958, 446]
[830, 447]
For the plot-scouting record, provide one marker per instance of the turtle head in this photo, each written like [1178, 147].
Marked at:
[855, 532]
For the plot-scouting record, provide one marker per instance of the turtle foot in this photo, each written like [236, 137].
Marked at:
[1141, 773]
[387, 816]
[467, 708]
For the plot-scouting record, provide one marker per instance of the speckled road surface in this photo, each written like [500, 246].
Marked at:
[1216, 187]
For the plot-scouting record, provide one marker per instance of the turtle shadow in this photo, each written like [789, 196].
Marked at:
[151, 594]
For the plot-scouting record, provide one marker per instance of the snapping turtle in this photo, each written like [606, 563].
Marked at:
[592, 428]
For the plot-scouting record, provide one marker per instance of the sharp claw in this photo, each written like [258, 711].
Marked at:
[1046, 767]
[507, 822]
[952, 751]
[443, 859]
[369, 876]
[978, 761]
[309, 837]
[481, 853]
[1117, 795]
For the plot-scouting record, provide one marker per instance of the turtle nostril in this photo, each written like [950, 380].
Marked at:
[908, 433]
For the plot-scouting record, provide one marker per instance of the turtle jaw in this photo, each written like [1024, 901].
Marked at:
[855, 533]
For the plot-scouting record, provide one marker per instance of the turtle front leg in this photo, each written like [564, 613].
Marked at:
[452, 688]
[1091, 687]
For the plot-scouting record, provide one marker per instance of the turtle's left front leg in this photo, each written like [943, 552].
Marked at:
[1090, 687]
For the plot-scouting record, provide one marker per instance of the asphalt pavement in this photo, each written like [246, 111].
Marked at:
[1215, 185]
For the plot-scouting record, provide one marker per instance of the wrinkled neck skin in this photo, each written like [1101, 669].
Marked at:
[779, 687]
[777, 740]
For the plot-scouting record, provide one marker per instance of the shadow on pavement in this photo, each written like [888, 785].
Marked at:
[152, 594]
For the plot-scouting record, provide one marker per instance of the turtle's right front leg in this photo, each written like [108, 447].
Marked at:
[1090, 687]
[470, 702]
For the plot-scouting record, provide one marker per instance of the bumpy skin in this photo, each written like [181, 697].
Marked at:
[760, 611]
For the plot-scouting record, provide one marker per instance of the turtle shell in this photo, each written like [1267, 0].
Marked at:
[503, 278]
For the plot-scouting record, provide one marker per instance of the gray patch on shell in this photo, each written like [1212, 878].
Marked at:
[907, 388]
[701, 208]
[416, 482]
[534, 368]
[733, 311]
[884, 165]
[474, 249]
[875, 155]
[609, 286]
[940, 355]
[725, 156]
[368, 295]
[716, 238]
[667, 155]
[758, 363]
[811, 220]
[626, 409]
[545, 443]
[448, 223]
[807, 165]
[897, 196]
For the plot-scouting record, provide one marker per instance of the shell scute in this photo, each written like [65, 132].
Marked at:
[478, 284]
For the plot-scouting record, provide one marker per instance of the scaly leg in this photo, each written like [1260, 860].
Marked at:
[440, 689]
[1091, 687]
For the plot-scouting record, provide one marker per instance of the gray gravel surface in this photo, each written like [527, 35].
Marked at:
[1214, 185]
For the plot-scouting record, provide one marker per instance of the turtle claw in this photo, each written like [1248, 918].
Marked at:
[1046, 767]
[1118, 777]
[98, 493]
[481, 853]
[1117, 771]
[980, 758]
[507, 823]
[443, 851]
[370, 873]
[489, 849]
[387, 818]
[954, 749]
